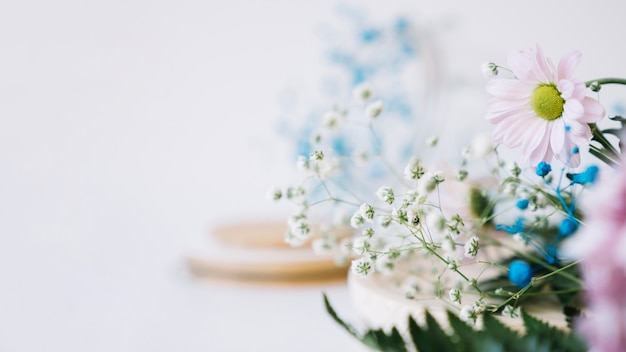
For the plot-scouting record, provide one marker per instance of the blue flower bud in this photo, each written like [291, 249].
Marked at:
[567, 227]
[587, 176]
[520, 273]
[543, 169]
[522, 204]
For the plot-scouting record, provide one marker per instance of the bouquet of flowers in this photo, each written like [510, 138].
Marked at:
[536, 212]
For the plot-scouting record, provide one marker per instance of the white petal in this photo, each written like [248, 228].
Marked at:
[568, 63]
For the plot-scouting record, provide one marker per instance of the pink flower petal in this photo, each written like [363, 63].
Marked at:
[566, 87]
[541, 150]
[509, 89]
[518, 63]
[543, 67]
[516, 133]
[557, 136]
[594, 111]
[573, 110]
[498, 116]
[568, 63]
[537, 131]
[580, 89]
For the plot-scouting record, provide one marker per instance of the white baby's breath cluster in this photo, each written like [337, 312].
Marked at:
[403, 221]
[428, 225]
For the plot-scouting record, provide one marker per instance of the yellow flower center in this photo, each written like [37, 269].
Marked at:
[547, 102]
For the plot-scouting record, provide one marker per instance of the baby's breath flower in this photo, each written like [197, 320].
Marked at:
[448, 245]
[471, 247]
[322, 247]
[514, 169]
[367, 211]
[357, 220]
[468, 315]
[481, 146]
[368, 232]
[413, 215]
[360, 245]
[479, 306]
[331, 119]
[400, 216]
[316, 155]
[374, 109]
[411, 288]
[455, 295]
[293, 240]
[274, 193]
[316, 138]
[414, 169]
[430, 181]
[510, 311]
[363, 92]
[362, 267]
[296, 193]
[303, 164]
[432, 141]
[461, 175]
[385, 221]
[385, 193]
[384, 265]
[301, 228]
[435, 221]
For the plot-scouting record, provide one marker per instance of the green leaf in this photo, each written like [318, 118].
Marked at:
[333, 314]
[493, 337]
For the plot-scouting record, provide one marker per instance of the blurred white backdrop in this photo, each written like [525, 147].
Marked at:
[129, 128]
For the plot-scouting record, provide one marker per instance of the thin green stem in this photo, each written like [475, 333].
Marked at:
[607, 80]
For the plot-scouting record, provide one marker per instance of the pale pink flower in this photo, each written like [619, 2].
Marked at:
[543, 109]
[602, 244]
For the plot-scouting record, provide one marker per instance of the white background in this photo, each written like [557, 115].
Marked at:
[128, 129]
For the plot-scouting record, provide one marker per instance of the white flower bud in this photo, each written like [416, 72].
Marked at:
[374, 109]
[274, 193]
[331, 119]
[357, 220]
[481, 146]
[468, 315]
[367, 211]
[414, 169]
[471, 247]
[511, 312]
[385, 193]
[303, 164]
[316, 155]
[322, 247]
[455, 295]
[363, 92]
[489, 69]
[432, 141]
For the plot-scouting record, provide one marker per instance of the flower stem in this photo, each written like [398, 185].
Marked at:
[607, 80]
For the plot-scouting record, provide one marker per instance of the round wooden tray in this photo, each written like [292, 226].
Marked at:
[256, 253]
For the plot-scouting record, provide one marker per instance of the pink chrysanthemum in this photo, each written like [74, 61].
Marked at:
[544, 110]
